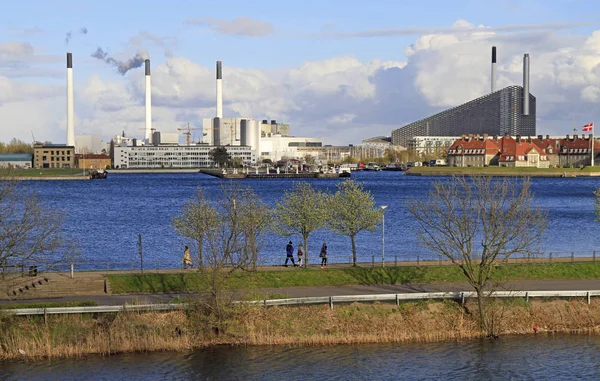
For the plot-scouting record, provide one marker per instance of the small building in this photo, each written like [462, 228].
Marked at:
[16, 160]
[92, 161]
[53, 156]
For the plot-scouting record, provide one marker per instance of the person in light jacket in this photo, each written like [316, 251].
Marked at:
[187, 258]
[300, 254]
[323, 255]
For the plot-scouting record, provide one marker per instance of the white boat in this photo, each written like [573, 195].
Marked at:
[372, 167]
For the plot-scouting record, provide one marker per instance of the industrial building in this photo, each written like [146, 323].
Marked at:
[172, 156]
[16, 160]
[502, 112]
[53, 156]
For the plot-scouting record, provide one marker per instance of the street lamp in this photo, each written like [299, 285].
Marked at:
[383, 208]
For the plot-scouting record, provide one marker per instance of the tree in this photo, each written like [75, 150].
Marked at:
[237, 220]
[196, 220]
[30, 232]
[478, 223]
[301, 211]
[352, 210]
[220, 156]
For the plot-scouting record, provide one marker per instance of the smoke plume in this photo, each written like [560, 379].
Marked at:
[122, 66]
[69, 35]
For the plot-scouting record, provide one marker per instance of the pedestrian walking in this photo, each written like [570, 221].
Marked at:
[289, 251]
[187, 258]
[300, 254]
[323, 255]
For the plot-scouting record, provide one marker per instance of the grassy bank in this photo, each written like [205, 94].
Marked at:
[503, 171]
[78, 335]
[45, 172]
[184, 282]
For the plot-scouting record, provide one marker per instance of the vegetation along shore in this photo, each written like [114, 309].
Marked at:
[504, 171]
[428, 321]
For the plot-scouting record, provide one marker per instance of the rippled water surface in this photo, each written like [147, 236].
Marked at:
[106, 216]
[541, 357]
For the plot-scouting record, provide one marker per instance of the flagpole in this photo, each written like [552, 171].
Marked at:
[592, 142]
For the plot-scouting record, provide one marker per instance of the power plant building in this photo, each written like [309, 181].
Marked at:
[503, 112]
[176, 156]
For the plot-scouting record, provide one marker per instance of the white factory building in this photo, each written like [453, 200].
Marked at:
[172, 156]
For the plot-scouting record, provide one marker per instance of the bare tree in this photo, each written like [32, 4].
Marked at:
[196, 220]
[352, 210]
[301, 211]
[477, 223]
[29, 231]
[238, 221]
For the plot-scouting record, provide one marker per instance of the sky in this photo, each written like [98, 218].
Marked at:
[342, 71]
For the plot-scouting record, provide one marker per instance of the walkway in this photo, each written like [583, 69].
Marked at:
[297, 292]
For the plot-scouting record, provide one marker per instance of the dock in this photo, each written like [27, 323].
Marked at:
[263, 175]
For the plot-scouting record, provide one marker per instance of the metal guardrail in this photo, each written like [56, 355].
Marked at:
[331, 300]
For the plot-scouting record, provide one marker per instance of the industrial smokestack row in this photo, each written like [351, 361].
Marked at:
[526, 84]
[70, 112]
[148, 134]
[219, 91]
[493, 69]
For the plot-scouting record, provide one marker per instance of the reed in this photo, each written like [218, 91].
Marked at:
[79, 335]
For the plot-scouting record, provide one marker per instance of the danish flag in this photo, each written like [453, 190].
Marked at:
[588, 127]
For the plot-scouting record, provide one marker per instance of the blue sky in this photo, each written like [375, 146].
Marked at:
[293, 33]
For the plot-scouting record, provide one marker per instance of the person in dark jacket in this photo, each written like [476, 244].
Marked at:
[289, 251]
[323, 255]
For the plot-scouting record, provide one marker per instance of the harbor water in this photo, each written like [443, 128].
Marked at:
[105, 217]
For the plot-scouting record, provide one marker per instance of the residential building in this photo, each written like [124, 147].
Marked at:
[431, 145]
[507, 151]
[53, 156]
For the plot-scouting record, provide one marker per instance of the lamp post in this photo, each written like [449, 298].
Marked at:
[383, 207]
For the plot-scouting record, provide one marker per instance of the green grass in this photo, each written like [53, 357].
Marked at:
[43, 172]
[501, 170]
[11, 306]
[190, 282]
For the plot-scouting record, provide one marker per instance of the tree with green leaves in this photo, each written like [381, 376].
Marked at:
[478, 223]
[352, 210]
[220, 156]
[301, 212]
[196, 220]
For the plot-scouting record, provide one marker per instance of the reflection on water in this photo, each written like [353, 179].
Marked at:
[541, 357]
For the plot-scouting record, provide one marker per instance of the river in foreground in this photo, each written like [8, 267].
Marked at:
[540, 357]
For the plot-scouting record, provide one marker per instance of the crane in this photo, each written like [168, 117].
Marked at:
[188, 133]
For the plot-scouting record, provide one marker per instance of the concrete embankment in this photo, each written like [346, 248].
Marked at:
[74, 335]
[66, 178]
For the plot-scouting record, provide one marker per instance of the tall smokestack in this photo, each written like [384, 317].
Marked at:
[219, 91]
[493, 69]
[70, 113]
[148, 134]
[526, 84]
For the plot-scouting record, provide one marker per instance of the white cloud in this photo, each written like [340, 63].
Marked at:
[340, 99]
[241, 26]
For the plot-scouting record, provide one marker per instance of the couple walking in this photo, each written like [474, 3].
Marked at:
[289, 250]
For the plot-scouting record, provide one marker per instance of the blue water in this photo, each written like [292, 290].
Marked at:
[539, 357]
[106, 216]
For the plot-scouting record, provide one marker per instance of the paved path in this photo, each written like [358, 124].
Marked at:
[297, 292]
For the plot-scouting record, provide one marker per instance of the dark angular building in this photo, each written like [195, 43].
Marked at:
[502, 112]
